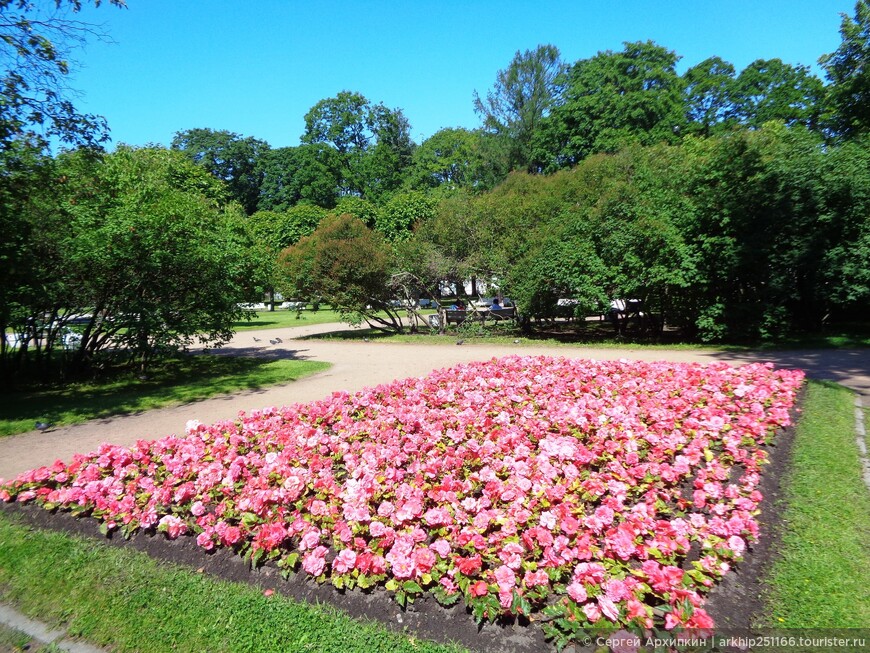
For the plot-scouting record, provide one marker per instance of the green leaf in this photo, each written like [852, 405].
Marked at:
[411, 587]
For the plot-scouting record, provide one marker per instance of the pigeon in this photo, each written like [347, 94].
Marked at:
[43, 426]
[256, 340]
[365, 339]
[273, 342]
[459, 342]
[516, 342]
[278, 339]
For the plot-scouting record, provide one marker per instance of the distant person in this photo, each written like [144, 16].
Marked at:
[495, 305]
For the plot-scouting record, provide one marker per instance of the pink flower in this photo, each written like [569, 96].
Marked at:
[535, 578]
[441, 547]
[479, 588]
[204, 540]
[173, 526]
[314, 561]
[737, 545]
[344, 561]
[505, 578]
[577, 592]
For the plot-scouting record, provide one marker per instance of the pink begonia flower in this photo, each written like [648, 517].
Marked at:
[592, 612]
[577, 592]
[314, 561]
[608, 608]
[344, 561]
[535, 578]
[466, 460]
[737, 545]
[479, 588]
[505, 599]
[441, 547]
[505, 578]
[204, 540]
[173, 525]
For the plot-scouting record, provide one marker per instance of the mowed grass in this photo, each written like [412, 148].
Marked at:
[126, 601]
[822, 579]
[121, 598]
[281, 318]
[177, 381]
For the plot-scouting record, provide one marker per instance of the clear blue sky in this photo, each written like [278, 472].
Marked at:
[255, 67]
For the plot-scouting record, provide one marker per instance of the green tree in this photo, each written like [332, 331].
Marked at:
[138, 244]
[398, 216]
[708, 92]
[362, 209]
[848, 71]
[456, 158]
[347, 265]
[307, 173]
[612, 100]
[229, 157]
[520, 99]
[373, 142]
[281, 229]
[768, 89]
[36, 48]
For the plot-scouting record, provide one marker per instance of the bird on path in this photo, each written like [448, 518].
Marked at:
[273, 342]
[459, 342]
[277, 339]
[43, 426]
[256, 340]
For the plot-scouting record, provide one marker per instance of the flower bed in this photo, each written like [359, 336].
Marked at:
[586, 495]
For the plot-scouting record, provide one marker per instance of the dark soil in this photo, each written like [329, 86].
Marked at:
[735, 604]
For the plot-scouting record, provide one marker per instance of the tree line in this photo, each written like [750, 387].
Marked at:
[735, 204]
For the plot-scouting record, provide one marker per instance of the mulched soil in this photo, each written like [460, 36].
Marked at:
[735, 604]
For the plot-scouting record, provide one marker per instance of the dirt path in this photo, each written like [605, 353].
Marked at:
[358, 364]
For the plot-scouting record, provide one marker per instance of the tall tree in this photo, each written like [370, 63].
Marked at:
[709, 95]
[456, 158]
[611, 100]
[37, 43]
[307, 173]
[373, 142]
[229, 157]
[769, 89]
[848, 71]
[521, 98]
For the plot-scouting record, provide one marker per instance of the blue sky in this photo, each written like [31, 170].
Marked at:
[255, 67]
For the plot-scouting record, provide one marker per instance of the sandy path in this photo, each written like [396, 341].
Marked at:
[355, 365]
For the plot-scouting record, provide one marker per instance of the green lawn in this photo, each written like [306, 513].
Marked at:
[120, 597]
[177, 381]
[822, 578]
[281, 318]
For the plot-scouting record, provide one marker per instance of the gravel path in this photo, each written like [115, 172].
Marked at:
[359, 364]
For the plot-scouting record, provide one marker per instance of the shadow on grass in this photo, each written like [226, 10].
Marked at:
[176, 381]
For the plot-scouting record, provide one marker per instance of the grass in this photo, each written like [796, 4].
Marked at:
[177, 381]
[14, 641]
[283, 318]
[121, 598]
[822, 579]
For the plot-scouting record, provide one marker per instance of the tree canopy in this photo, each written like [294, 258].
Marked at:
[36, 49]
